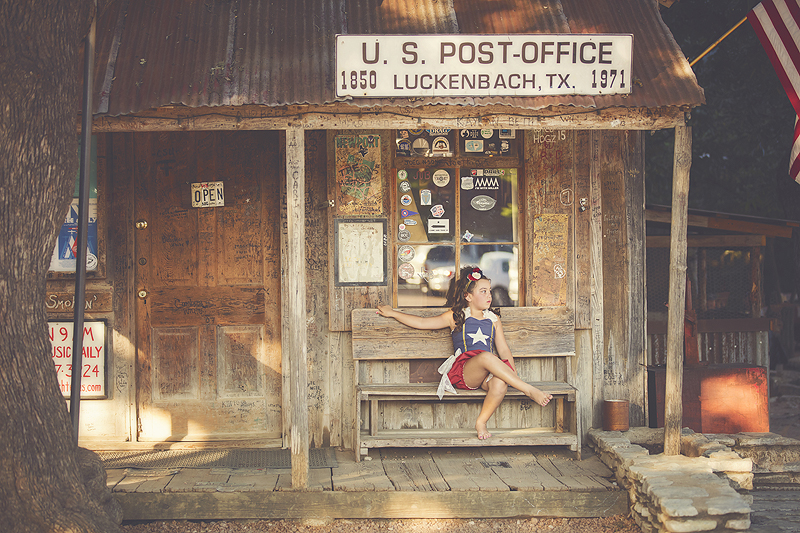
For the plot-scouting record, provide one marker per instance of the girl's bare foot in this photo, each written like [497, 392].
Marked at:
[483, 433]
[539, 397]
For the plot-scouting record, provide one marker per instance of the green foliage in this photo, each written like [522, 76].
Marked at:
[742, 136]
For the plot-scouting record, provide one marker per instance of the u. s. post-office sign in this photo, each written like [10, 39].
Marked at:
[482, 65]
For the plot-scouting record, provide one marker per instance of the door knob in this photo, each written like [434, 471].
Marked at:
[141, 224]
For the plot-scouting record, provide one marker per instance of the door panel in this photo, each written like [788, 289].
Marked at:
[208, 319]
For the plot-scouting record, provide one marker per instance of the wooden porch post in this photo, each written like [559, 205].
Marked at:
[673, 402]
[295, 291]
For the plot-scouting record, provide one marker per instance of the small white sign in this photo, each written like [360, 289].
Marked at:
[208, 194]
[93, 376]
[402, 66]
[438, 225]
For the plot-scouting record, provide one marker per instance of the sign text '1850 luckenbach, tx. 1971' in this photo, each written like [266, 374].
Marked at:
[391, 66]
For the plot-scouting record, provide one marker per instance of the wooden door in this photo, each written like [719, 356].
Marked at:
[208, 287]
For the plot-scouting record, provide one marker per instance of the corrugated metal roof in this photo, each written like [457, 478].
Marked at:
[152, 53]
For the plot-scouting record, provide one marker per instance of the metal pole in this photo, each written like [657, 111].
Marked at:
[83, 231]
[698, 58]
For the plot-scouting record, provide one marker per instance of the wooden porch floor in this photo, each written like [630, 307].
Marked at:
[393, 483]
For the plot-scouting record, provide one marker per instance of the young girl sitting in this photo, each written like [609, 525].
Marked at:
[475, 326]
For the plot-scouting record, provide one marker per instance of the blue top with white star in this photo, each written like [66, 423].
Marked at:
[477, 334]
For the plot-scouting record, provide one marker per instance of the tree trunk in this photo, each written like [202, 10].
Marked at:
[41, 487]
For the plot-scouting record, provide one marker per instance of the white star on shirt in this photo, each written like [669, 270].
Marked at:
[478, 336]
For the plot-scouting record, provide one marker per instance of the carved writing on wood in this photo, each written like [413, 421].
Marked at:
[550, 234]
[358, 175]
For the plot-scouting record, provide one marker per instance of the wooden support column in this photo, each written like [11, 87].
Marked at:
[673, 403]
[295, 292]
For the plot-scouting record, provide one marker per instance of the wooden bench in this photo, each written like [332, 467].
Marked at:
[396, 384]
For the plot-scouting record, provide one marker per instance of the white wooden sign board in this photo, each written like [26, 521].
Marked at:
[389, 66]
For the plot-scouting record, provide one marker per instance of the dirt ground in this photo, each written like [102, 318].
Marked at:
[616, 524]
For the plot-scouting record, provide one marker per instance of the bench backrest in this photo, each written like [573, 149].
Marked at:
[529, 331]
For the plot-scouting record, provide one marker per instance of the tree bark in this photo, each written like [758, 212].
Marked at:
[41, 486]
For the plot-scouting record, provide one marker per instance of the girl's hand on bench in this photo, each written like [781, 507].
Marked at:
[385, 310]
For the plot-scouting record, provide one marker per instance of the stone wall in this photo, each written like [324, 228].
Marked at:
[698, 490]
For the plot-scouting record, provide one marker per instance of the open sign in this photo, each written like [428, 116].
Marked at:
[208, 194]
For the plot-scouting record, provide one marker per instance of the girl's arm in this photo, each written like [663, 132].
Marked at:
[502, 346]
[445, 320]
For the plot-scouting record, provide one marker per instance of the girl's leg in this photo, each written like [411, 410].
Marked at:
[495, 392]
[478, 368]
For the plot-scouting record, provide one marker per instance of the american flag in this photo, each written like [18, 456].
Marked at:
[777, 24]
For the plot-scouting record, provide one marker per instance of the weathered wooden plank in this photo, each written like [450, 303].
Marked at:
[411, 391]
[633, 159]
[319, 479]
[596, 267]
[673, 406]
[389, 504]
[728, 224]
[615, 265]
[530, 332]
[124, 301]
[192, 479]
[550, 195]
[710, 241]
[295, 343]
[342, 116]
[415, 472]
[521, 471]
[582, 380]
[573, 474]
[260, 479]
[363, 476]
[449, 438]
[324, 362]
[145, 480]
[114, 476]
[582, 216]
[463, 469]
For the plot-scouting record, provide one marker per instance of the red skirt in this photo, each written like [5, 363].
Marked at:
[456, 374]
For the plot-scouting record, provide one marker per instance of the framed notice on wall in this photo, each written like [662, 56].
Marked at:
[360, 253]
[358, 174]
[93, 373]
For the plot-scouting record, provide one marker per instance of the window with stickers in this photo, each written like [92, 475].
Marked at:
[456, 203]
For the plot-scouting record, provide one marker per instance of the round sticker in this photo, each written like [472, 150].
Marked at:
[416, 132]
[402, 175]
[421, 147]
[486, 134]
[401, 226]
[441, 145]
[405, 253]
[403, 235]
[405, 271]
[405, 186]
[91, 261]
[441, 178]
[406, 199]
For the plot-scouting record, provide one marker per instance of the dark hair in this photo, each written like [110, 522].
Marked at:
[459, 288]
